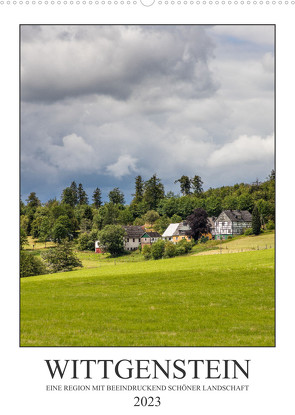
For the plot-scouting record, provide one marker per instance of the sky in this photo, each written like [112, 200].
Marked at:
[103, 104]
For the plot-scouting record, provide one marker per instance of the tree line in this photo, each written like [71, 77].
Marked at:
[73, 217]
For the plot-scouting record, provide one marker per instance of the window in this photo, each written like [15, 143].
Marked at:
[133, 239]
[127, 239]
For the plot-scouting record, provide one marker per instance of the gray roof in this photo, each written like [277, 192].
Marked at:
[134, 231]
[239, 215]
[175, 229]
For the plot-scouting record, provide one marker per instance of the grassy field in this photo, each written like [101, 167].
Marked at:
[219, 300]
[239, 244]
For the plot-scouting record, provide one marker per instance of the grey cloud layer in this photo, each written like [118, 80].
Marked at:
[116, 101]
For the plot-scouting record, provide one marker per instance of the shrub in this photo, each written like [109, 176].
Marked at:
[62, 258]
[146, 251]
[204, 239]
[31, 265]
[180, 249]
[270, 225]
[187, 246]
[157, 249]
[170, 250]
[248, 231]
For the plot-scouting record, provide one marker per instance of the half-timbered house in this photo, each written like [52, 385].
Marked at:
[232, 222]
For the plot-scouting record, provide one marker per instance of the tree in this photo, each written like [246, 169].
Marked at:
[151, 216]
[139, 186]
[82, 196]
[31, 265]
[170, 250]
[126, 217]
[157, 250]
[185, 185]
[61, 229]
[109, 214]
[197, 185]
[96, 197]
[68, 197]
[272, 175]
[153, 192]
[88, 213]
[45, 230]
[111, 237]
[86, 241]
[32, 201]
[74, 192]
[161, 224]
[198, 222]
[61, 258]
[23, 239]
[176, 218]
[146, 251]
[116, 196]
[256, 223]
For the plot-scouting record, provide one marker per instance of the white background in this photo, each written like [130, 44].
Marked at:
[23, 372]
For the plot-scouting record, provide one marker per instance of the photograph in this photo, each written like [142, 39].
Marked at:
[147, 185]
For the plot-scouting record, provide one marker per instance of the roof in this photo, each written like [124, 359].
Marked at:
[170, 230]
[239, 215]
[175, 229]
[134, 231]
[153, 234]
[211, 221]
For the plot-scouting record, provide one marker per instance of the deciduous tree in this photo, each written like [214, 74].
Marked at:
[198, 222]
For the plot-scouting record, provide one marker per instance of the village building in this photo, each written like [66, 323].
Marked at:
[132, 237]
[231, 223]
[177, 232]
[150, 237]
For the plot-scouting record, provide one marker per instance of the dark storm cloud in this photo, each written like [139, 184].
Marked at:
[63, 62]
[105, 103]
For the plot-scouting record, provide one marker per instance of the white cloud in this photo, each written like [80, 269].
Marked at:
[243, 150]
[124, 165]
[74, 154]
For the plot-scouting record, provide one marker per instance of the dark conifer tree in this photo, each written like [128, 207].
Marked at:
[116, 196]
[153, 192]
[82, 196]
[256, 222]
[68, 197]
[185, 185]
[197, 185]
[139, 186]
[96, 197]
[75, 193]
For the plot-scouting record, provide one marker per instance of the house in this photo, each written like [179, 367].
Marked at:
[232, 222]
[177, 231]
[148, 238]
[132, 237]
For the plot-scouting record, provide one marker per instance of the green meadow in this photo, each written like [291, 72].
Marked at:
[214, 300]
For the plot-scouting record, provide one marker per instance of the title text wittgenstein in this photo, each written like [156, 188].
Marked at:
[148, 369]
